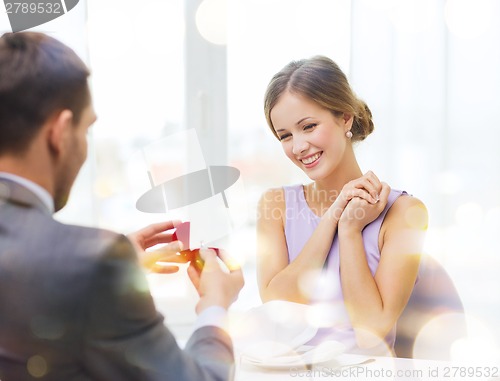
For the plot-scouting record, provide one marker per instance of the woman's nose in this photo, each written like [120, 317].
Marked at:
[299, 146]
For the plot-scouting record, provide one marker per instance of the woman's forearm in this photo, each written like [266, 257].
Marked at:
[286, 284]
[362, 298]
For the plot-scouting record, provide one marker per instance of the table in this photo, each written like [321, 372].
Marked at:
[353, 367]
[377, 368]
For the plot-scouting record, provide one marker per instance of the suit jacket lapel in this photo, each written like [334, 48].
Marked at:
[15, 193]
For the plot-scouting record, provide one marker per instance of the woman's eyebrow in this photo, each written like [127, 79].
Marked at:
[300, 121]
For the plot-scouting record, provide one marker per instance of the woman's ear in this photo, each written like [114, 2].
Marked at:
[59, 130]
[347, 119]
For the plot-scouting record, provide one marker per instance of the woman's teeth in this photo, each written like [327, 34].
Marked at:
[311, 159]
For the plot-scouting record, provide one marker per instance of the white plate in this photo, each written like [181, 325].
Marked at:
[323, 353]
[273, 329]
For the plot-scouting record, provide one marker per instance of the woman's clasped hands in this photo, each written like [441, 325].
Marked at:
[360, 202]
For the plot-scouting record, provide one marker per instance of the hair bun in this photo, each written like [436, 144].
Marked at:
[363, 122]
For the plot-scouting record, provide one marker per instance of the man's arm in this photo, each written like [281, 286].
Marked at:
[125, 338]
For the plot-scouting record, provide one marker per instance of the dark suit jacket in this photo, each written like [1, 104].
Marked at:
[74, 305]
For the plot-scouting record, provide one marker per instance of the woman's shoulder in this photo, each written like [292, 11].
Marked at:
[272, 196]
[278, 195]
[407, 211]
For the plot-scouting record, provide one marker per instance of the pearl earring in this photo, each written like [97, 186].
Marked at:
[348, 134]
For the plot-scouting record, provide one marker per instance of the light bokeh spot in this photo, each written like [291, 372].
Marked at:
[211, 21]
[37, 366]
[479, 345]
[436, 338]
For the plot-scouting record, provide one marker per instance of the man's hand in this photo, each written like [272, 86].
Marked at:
[215, 286]
[158, 234]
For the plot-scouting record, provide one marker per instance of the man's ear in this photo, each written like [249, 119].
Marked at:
[59, 129]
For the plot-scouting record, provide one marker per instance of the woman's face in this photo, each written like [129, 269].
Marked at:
[312, 137]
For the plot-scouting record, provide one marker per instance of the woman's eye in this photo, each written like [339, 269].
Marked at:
[309, 126]
[283, 137]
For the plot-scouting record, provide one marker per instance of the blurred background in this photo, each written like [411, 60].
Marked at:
[428, 69]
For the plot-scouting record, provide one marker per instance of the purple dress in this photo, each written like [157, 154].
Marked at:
[300, 223]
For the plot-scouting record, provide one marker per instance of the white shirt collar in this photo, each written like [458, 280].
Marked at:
[40, 192]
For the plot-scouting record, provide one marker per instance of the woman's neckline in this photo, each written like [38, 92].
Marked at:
[304, 199]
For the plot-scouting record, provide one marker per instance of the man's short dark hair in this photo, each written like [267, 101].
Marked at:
[39, 76]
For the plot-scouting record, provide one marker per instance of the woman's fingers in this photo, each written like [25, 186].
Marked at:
[376, 185]
[367, 187]
[384, 193]
[361, 193]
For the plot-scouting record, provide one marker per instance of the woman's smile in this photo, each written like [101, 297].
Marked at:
[311, 160]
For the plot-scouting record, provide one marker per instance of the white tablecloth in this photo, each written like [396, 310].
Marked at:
[377, 368]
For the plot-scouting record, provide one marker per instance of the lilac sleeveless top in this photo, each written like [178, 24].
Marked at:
[300, 223]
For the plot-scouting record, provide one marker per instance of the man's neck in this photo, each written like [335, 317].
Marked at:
[36, 189]
[30, 168]
[34, 172]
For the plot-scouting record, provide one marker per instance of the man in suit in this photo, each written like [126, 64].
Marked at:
[74, 302]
